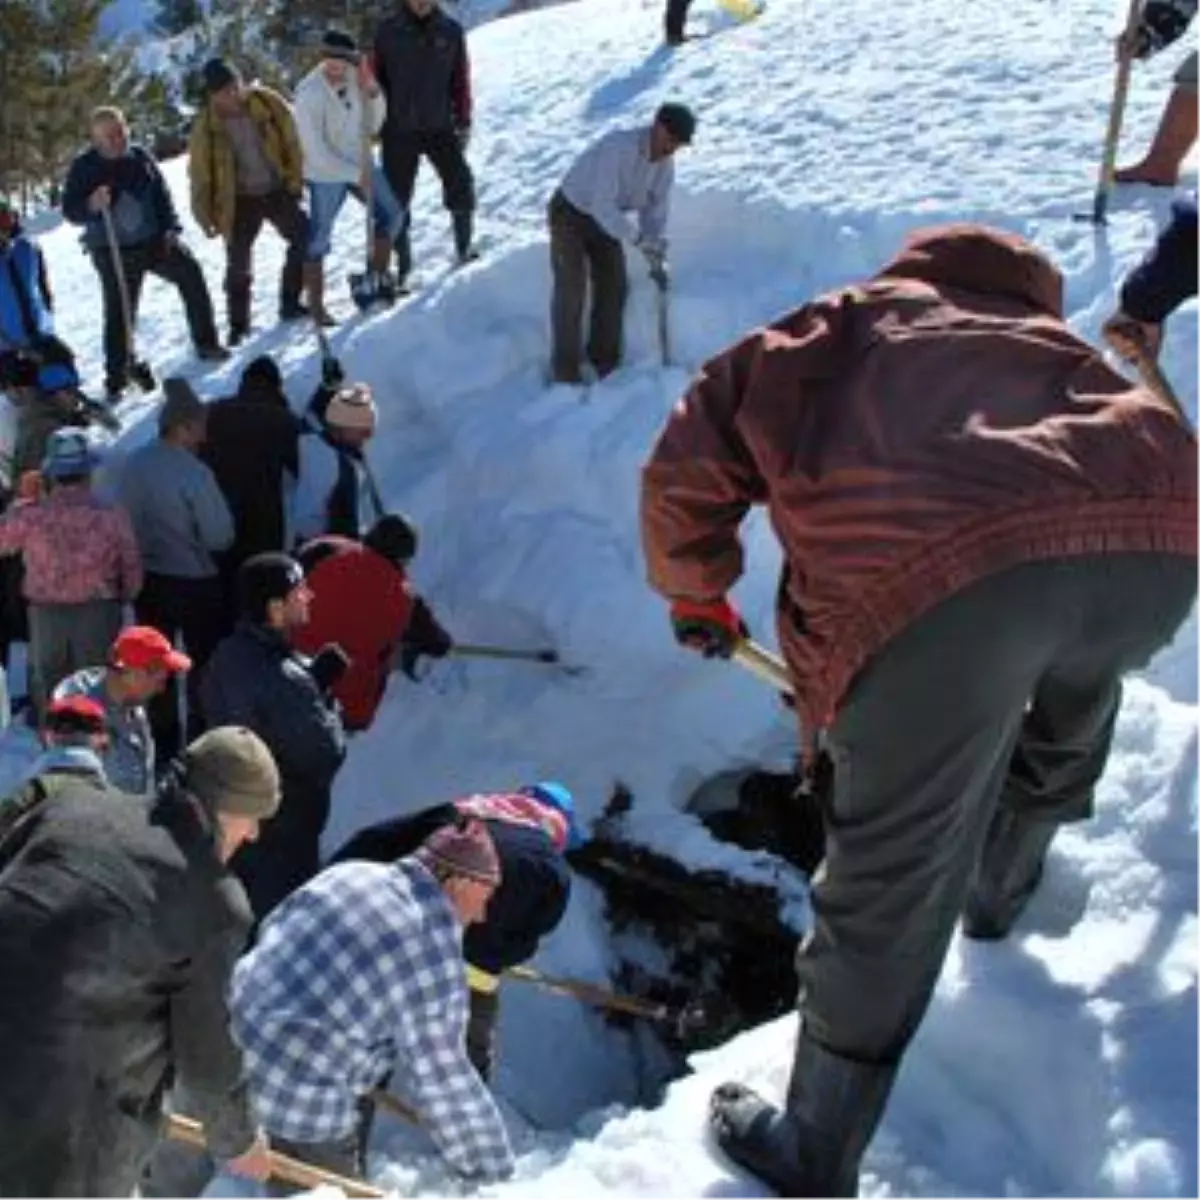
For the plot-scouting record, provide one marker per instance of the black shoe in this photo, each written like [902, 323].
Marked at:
[213, 353]
[238, 334]
[292, 310]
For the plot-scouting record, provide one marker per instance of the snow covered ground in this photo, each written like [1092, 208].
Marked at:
[1061, 1062]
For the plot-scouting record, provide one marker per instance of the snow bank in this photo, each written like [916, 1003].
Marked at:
[1062, 1062]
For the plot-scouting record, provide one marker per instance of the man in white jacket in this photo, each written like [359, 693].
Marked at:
[625, 171]
[339, 107]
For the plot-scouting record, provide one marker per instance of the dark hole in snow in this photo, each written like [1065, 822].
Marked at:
[723, 955]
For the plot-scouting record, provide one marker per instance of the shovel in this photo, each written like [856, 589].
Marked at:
[546, 656]
[139, 371]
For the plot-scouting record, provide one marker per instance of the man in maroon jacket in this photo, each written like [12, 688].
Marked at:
[984, 528]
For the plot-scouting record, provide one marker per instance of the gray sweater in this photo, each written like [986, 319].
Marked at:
[179, 514]
[614, 176]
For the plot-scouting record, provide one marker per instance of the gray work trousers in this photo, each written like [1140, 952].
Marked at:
[1000, 701]
[66, 637]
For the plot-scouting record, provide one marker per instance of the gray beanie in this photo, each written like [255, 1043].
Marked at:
[181, 405]
[230, 770]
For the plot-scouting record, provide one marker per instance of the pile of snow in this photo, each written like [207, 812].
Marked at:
[1063, 1061]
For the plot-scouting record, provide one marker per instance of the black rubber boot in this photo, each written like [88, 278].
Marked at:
[464, 231]
[1009, 871]
[814, 1147]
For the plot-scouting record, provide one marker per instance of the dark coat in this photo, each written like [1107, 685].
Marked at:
[256, 679]
[119, 928]
[424, 71]
[250, 443]
[529, 903]
[142, 207]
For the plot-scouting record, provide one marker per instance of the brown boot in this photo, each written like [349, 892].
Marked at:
[314, 289]
[381, 255]
[1173, 139]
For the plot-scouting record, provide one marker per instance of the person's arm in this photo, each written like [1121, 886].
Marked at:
[80, 183]
[210, 511]
[129, 557]
[164, 203]
[200, 173]
[460, 87]
[654, 214]
[601, 183]
[293, 157]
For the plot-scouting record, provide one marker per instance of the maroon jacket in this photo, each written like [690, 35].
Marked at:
[909, 436]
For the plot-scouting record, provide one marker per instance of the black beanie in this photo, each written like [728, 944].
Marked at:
[218, 74]
[678, 120]
[264, 371]
[264, 578]
[394, 537]
[336, 43]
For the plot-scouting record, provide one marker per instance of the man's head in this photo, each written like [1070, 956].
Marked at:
[464, 861]
[339, 55]
[421, 9]
[232, 775]
[75, 721]
[69, 458]
[109, 131]
[272, 592]
[674, 126]
[183, 418]
[394, 537]
[140, 662]
[223, 86]
[262, 380]
[556, 798]
[350, 415]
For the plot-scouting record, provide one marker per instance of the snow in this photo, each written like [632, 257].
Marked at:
[1060, 1062]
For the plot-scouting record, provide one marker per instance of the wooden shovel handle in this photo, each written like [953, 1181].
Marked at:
[184, 1129]
[761, 662]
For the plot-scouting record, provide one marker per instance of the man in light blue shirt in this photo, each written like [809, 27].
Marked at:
[627, 171]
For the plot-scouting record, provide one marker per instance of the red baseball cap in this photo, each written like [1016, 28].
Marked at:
[79, 712]
[142, 647]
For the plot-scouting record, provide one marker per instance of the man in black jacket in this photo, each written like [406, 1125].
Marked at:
[251, 446]
[119, 928]
[124, 182]
[256, 679]
[530, 830]
[422, 66]
[1156, 287]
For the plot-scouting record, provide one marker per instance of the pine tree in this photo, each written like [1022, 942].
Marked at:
[178, 16]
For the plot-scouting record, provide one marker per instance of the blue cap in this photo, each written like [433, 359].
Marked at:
[68, 453]
[558, 797]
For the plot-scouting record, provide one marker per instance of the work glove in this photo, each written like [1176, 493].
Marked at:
[711, 627]
[329, 664]
[424, 638]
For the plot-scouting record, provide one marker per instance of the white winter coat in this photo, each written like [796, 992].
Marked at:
[330, 124]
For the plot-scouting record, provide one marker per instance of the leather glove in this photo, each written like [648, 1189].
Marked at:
[711, 627]
[329, 664]
[424, 638]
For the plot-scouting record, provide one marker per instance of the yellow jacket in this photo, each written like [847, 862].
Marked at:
[212, 168]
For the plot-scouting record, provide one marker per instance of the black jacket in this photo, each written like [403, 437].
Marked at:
[1166, 277]
[423, 69]
[119, 928]
[251, 441]
[142, 207]
[529, 903]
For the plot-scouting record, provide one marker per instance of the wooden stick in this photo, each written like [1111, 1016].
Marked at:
[184, 1129]
[593, 994]
[761, 662]
[1116, 115]
[395, 1106]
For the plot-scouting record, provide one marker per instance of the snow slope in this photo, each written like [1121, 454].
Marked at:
[1062, 1062]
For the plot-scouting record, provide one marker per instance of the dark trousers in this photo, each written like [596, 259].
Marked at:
[402, 154]
[674, 19]
[481, 1031]
[345, 1156]
[1001, 700]
[191, 610]
[284, 212]
[177, 266]
[579, 250]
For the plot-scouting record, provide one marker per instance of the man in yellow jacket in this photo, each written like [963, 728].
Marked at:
[246, 168]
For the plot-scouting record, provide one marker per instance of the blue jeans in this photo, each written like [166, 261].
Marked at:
[325, 201]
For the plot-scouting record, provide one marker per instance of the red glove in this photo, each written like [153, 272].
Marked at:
[713, 627]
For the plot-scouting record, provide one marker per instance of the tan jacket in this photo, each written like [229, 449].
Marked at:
[213, 168]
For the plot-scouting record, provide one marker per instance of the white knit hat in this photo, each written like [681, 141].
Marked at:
[352, 408]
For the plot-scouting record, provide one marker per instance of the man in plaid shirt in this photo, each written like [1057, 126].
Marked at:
[360, 974]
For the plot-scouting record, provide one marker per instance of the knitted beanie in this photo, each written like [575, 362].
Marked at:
[467, 851]
[230, 770]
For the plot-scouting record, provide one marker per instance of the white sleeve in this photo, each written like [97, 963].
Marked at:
[310, 500]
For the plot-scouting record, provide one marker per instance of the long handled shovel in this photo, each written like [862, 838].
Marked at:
[663, 306]
[139, 371]
[1116, 115]
[761, 662]
[184, 1129]
[682, 1020]
[547, 656]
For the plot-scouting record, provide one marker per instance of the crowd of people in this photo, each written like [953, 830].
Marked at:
[965, 584]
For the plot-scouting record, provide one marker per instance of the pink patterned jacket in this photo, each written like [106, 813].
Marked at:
[76, 548]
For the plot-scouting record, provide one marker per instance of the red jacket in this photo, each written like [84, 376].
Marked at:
[362, 602]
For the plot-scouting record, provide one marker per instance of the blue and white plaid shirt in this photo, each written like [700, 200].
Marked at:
[358, 973]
